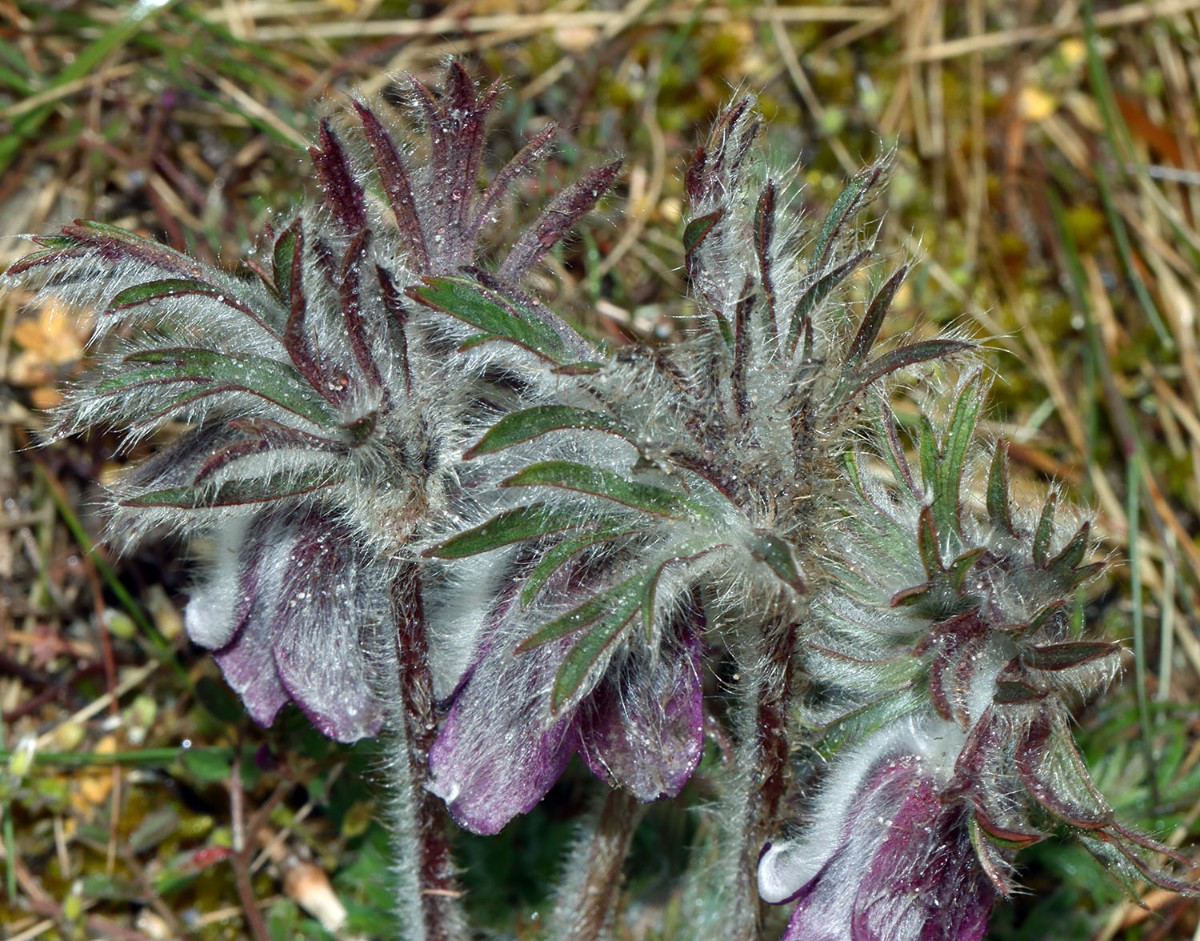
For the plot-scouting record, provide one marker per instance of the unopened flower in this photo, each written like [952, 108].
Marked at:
[290, 617]
[638, 725]
[945, 632]
[885, 857]
[324, 421]
[410, 483]
[702, 468]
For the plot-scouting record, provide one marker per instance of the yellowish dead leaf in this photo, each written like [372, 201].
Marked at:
[576, 38]
[1035, 104]
[166, 616]
[93, 786]
[309, 887]
[47, 344]
[44, 398]
[53, 334]
[1073, 51]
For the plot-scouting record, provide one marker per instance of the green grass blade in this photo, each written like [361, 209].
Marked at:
[107, 573]
[137, 17]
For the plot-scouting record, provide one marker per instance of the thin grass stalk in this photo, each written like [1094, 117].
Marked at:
[1135, 475]
[1117, 134]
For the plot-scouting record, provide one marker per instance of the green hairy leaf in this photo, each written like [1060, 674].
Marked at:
[266, 378]
[526, 425]
[493, 313]
[556, 556]
[518, 525]
[604, 483]
[746, 557]
[231, 492]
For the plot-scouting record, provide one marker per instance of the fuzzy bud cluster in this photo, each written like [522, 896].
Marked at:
[325, 417]
[948, 661]
[668, 491]
[427, 506]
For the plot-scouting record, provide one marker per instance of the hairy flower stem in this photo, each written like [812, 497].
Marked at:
[774, 700]
[756, 778]
[592, 881]
[427, 894]
[736, 902]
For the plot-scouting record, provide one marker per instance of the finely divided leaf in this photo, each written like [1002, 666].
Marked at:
[997, 490]
[556, 220]
[904, 357]
[627, 593]
[854, 197]
[603, 483]
[343, 195]
[493, 313]
[114, 243]
[555, 557]
[156, 290]
[584, 655]
[868, 330]
[394, 176]
[697, 230]
[947, 477]
[283, 258]
[1045, 532]
[816, 291]
[518, 525]
[1069, 655]
[605, 616]
[525, 425]
[231, 492]
[267, 378]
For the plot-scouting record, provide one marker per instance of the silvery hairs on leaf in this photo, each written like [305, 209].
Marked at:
[325, 410]
[411, 484]
[666, 485]
[948, 662]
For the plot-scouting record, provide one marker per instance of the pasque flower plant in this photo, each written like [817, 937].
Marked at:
[429, 509]
[947, 661]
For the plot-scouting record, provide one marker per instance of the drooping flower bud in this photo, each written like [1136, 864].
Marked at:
[886, 857]
[324, 426]
[946, 631]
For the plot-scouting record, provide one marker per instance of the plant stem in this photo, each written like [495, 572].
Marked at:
[774, 700]
[427, 891]
[243, 850]
[753, 784]
[588, 899]
[738, 820]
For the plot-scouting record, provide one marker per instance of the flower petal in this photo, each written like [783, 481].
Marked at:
[905, 869]
[325, 609]
[787, 869]
[239, 622]
[500, 750]
[249, 669]
[219, 605]
[924, 881]
[644, 729]
[291, 614]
